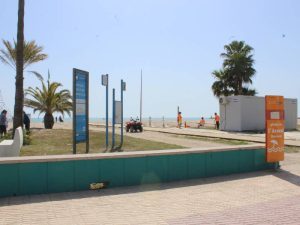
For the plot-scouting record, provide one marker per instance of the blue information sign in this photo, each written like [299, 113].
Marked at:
[80, 101]
[80, 107]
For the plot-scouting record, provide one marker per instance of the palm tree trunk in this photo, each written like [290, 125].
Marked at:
[240, 87]
[19, 94]
[237, 86]
[48, 121]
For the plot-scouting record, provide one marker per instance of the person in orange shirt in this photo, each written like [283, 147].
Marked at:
[217, 119]
[201, 123]
[179, 120]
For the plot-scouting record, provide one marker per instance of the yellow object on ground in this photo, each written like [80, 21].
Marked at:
[95, 186]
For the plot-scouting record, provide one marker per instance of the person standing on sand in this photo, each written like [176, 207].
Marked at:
[3, 123]
[217, 120]
[179, 120]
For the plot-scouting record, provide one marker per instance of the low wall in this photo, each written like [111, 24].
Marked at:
[50, 174]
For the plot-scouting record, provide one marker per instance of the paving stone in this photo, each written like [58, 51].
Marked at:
[251, 198]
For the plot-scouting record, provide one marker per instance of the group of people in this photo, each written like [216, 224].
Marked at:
[60, 119]
[4, 123]
[201, 122]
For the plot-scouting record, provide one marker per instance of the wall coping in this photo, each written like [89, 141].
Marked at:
[132, 154]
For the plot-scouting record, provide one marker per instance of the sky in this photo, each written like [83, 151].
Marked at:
[176, 43]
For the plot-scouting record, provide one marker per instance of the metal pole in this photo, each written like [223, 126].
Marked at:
[177, 116]
[74, 113]
[87, 145]
[106, 122]
[113, 121]
[121, 113]
[141, 97]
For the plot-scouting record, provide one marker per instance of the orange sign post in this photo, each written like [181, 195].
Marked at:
[274, 128]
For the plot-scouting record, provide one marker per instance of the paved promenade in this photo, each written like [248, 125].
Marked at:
[253, 198]
[292, 138]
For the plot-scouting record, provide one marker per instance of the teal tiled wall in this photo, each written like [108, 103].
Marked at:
[75, 175]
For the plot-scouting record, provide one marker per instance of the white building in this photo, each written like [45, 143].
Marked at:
[247, 113]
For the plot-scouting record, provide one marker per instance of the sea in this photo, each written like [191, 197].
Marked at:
[99, 119]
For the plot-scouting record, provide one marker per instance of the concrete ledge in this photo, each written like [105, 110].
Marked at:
[64, 173]
[132, 154]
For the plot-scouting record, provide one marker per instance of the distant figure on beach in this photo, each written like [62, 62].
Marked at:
[201, 123]
[60, 119]
[217, 120]
[26, 121]
[3, 123]
[179, 120]
[56, 119]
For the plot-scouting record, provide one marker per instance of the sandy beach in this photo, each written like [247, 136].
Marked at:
[146, 123]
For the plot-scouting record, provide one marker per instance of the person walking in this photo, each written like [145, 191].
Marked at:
[179, 120]
[3, 123]
[217, 120]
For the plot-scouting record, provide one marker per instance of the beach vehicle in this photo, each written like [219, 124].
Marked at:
[134, 126]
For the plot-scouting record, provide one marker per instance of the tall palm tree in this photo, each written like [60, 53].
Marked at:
[49, 100]
[20, 55]
[238, 62]
[10, 55]
[33, 53]
[19, 95]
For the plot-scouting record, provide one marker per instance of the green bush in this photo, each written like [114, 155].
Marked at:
[27, 138]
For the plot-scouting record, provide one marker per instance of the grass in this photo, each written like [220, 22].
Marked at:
[215, 140]
[57, 142]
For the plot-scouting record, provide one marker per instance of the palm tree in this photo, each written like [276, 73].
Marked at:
[238, 62]
[220, 86]
[248, 91]
[19, 95]
[33, 53]
[49, 100]
[19, 56]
